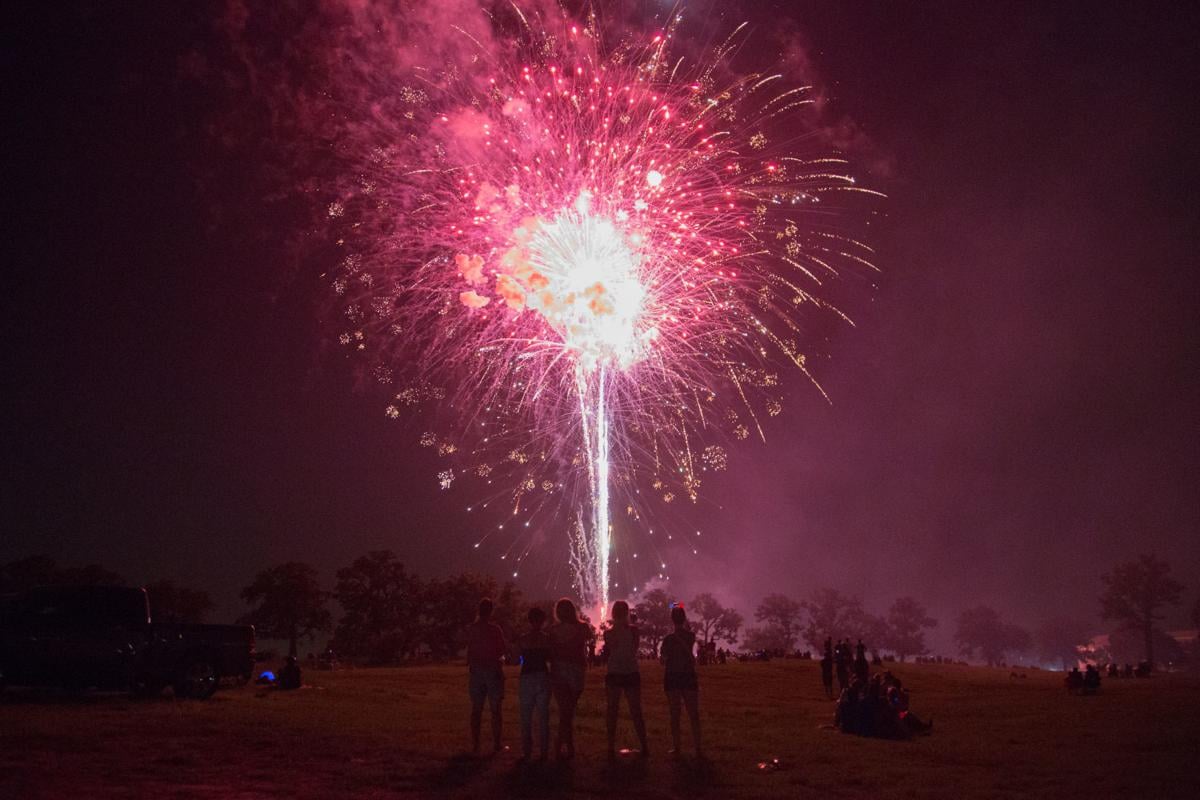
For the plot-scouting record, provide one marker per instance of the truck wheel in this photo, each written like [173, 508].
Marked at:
[197, 678]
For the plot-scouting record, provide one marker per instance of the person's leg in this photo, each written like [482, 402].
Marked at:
[477, 698]
[691, 698]
[497, 722]
[542, 706]
[610, 717]
[496, 695]
[674, 704]
[528, 697]
[495, 688]
[561, 699]
[633, 695]
[574, 703]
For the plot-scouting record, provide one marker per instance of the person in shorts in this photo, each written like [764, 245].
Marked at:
[568, 662]
[623, 678]
[535, 685]
[679, 679]
[485, 672]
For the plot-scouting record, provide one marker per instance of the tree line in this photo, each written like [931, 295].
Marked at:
[389, 614]
[172, 603]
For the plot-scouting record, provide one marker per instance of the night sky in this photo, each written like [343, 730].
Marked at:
[1016, 410]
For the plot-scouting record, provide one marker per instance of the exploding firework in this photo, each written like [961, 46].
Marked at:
[590, 258]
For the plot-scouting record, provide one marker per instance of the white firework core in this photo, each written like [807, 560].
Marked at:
[593, 294]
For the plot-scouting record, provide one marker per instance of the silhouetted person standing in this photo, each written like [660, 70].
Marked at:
[623, 678]
[1091, 679]
[485, 672]
[841, 655]
[827, 669]
[679, 679]
[568, 661]
[862, 667]
[535, 685]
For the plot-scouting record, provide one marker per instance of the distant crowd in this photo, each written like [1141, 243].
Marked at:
[1088, 681]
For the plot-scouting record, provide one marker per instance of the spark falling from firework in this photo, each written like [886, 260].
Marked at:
[591, 257]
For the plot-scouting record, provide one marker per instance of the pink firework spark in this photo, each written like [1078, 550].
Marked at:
[595, 257]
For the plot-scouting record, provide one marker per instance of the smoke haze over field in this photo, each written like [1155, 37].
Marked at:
[1014, 411]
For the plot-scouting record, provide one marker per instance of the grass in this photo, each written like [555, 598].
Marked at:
[377, 733]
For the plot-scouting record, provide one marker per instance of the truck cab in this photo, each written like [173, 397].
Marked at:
[103, 636]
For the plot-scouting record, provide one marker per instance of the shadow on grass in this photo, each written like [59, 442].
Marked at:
[539, 779]
[52, 696]
[692, 777]
[626, 773]
[460, 770]
[522, 779]
[48, 696]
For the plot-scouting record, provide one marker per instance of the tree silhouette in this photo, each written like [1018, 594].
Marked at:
[41, 570]
[1060, 638]
[449, 606]
[872, 630]
[382, 605]
[906, 623]
[88, 575]
[171, 603]
[769, 638]
[653, 619]
[512, 611]
[834, 615]
[289, 603]
[26, 573]
[781, 615]
[1128, 646]
[980, 630]
[1134, 594]
[713, 621]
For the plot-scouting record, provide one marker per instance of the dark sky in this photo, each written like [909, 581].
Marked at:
[1015, 411]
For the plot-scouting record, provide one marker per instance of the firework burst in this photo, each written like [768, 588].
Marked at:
[591, 257]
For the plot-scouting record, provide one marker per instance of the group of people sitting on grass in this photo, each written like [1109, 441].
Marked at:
[553, 663]
[878, 706]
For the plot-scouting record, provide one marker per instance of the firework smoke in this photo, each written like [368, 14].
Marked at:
[587, 248]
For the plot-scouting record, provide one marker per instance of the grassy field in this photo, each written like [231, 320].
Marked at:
[402, 732]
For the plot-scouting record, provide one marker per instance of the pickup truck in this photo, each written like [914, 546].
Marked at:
[103, 636]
